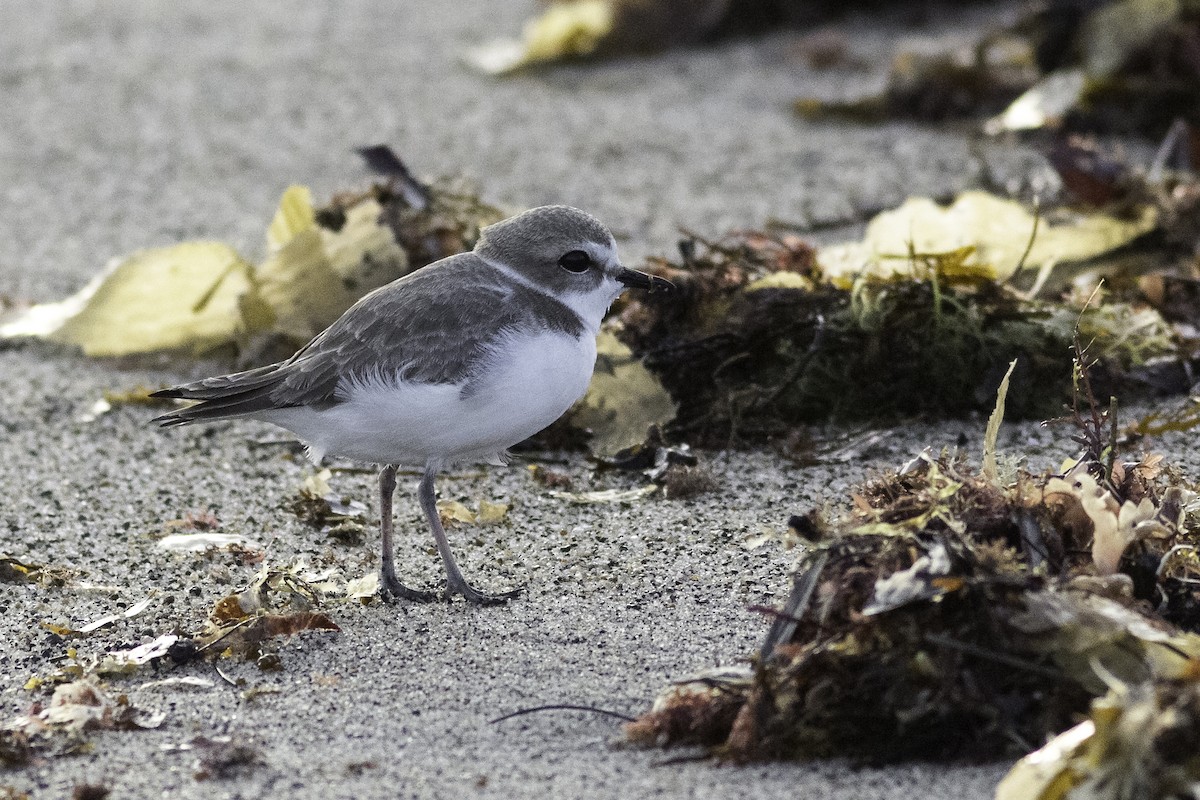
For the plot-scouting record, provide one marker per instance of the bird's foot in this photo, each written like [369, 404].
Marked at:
[478, 598]
[389, 587]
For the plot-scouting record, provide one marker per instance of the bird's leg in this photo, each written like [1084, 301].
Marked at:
[455, 582]
[392, 584]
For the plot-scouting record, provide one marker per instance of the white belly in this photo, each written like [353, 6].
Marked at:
[532, 381]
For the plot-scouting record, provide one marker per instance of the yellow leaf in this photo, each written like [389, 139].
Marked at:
[1046, 774]
[453, 511]
[623, 400]
[491, 513]
[313, 275]
[562, 31]
[294, 216]
[181, 297]
[991, 233]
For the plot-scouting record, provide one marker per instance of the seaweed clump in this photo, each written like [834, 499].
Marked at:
[757, 340]
[956, 614]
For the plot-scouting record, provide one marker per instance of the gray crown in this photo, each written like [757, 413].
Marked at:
[533, 241]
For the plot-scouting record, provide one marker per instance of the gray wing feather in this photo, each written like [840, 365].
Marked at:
[433, 326]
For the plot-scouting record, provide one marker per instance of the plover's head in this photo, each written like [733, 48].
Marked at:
[565, 251]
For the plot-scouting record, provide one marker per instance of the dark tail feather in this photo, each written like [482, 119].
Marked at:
[221, 397]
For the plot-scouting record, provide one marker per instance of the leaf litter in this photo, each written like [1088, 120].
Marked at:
[956, 612]
[59, 727]
[277, 603]
[569, 30]
[923, 315]
[1121, 65]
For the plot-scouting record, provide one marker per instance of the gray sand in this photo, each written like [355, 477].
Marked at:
[130, 125]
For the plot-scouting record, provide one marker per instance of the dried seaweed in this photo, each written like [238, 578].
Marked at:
[1122, 65]
[922, 317]
[277, 603]
[953, 614]
[747, 364]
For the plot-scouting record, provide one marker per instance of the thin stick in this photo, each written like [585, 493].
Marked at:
[1037, 216]
[992, 655]
[563, 707]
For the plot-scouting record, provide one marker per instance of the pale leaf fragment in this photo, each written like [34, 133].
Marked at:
[1046, 774]
[993, 428]
[607, 495]
[199, 542]
[564, 30]
[996, 230]
[186, 682]
[362, 588]
[623, 400]
[452, 511]
[312, 275]
[1047, 102]
[184, 297]
[492, 513]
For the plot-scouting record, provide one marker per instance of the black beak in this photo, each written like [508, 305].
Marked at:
[640, 280]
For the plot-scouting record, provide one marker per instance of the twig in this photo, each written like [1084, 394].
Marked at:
[224, 677]
[1037, 216]
[802, 592]
[692, 759]
[992, 655]
[563, 707]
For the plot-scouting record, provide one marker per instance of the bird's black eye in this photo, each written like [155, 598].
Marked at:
[575, 261]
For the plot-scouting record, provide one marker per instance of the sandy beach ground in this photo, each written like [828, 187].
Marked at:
[130, 125]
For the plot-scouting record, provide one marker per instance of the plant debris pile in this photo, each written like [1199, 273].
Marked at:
[574, 29]
[1139, 741]
[754, 343]
[958, 614]
[58, 727]
[923, 315]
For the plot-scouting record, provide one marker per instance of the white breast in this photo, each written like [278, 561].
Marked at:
[531, 381]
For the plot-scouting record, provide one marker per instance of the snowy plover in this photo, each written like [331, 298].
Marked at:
[455, 362]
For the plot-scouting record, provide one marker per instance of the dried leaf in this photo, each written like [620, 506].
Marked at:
[452, 511]
[1046, 103]
[993, 232]
[993, 428]
[1045, 774]
[607, 495]
[562, 31]
[623, 400]
[185, 682]
[312, 275]
[123, 662]
[184, 297]
[363, 588]
[492, 513]
[1137, 744]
